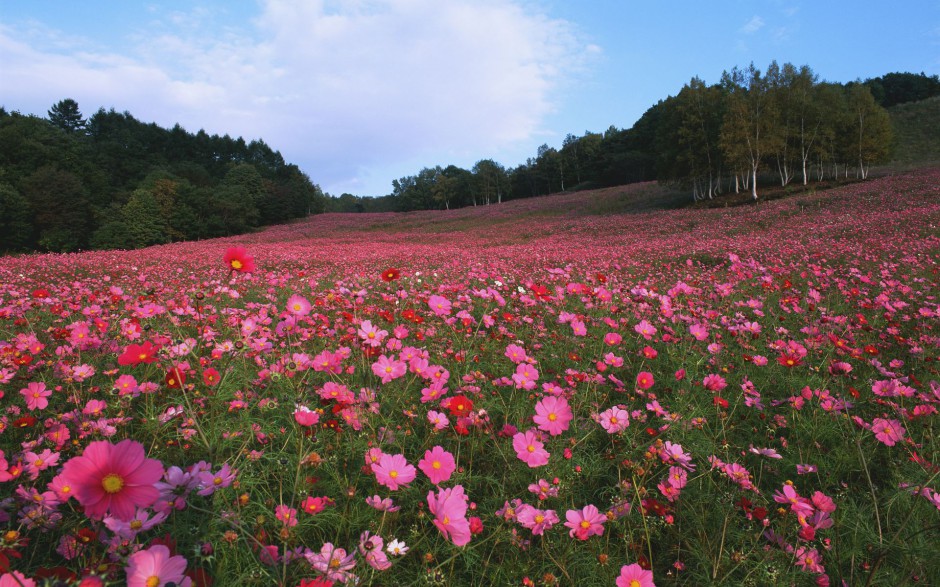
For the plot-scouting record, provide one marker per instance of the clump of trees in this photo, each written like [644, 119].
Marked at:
[749, 127]
[112, 181]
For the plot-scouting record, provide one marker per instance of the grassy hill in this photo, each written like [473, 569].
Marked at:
[917, 131]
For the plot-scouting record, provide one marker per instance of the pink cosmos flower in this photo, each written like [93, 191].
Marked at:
[645, 329]
[516, 354]
[644, 380]
[529, 449]
[536, 520]
[612, 338]
[389, 369]
[449, 508]
[714, 382]
[635, 576]
[393, 471]
[440, 305]
[314, 505]
[552, 414]
[887, 431]
[333, 562]
[298, 305]
[35, 394]
[16, 579]
[614, 420]
[113, 478]
[286, 514]
[305, 416]
[525, 376]
[585, 522]
[438, 465]
[155, 567]
[698, 331]
[371, 335]
[438, 419]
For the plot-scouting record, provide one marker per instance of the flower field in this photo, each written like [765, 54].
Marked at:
[532, 393]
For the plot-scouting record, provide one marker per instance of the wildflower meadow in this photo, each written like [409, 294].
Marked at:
[553, 391]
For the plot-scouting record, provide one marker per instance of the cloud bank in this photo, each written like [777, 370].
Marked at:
[343, 88]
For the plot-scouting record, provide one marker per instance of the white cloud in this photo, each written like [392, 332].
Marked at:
[340, 87]
[753, 25]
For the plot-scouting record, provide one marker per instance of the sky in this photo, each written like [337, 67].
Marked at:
[358, 93]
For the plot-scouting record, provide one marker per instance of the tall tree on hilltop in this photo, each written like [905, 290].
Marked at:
[66, 115]
[747, 133]
[871, 128]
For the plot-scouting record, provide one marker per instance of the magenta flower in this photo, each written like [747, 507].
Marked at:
[286, 514]
[585, 522]
[529, 449]
[298, 305]
[887, 431]
[552, 414]
[393, 471]
[438, 465]
[36, 394]
[536, 520]
[155, 567]
[449, 508]
[635, 576]
[614, 420]
[305, 416]
[332, 562]
[645, 380]
[441, 306]
[525, 376]
[113, 478]
[389, 369]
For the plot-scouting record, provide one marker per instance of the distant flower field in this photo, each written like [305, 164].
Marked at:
[532, 393]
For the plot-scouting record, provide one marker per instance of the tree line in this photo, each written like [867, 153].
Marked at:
[751, 127]
[112, 181]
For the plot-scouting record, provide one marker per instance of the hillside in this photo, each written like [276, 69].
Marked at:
[916, 131]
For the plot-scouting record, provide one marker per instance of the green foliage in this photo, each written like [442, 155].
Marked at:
[899, 88]
[201, 185]
[16, 232]
[916, 128]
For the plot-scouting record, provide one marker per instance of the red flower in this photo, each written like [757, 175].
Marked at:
[460, 405]
[135, 354]
[175, 378]
[40, 293]
[391, 274]
[238, 259]
[789, 360]
[210, 376]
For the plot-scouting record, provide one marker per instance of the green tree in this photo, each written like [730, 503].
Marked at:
[871, 128]
[747, 132]
[61, 212]
[66, 115]
[16, 229]
[145, 220]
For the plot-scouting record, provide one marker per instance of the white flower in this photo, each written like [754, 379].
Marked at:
[396, 548]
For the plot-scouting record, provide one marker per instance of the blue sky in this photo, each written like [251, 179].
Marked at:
[361, 92]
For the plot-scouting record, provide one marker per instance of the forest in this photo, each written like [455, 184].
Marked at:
[752, 127]
[111, 181]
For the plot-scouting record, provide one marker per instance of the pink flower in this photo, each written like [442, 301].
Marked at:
[333, 562]
[393, 471]
[585, 522]
[438, 419]
[714, 382]
[614, 419]
[370, 335]
[315, 505]
[635, 576]
[439, 305]
[645, 329]
[35, 395]
[887, 431]
[536, 520]
[388, 369]
[552, 414]
[645, 380]
[16, 579]
[449, 508]
[155, 567]
[305, 416]
[113, 478]
[525, 376]
[286, 514]
[438, 465]
[529, 449]
[612, 338]
[298, 305]
[516, 354]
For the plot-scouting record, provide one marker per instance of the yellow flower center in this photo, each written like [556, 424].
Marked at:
[539, 519]
[530, 448]
[393, 474]
[217, 481]
[38, 463]
[153, 581]
[585, 524]
[634, 583]
[436, 464]
[236, 264]
[112, 483]
[613, 419]
[446, 520]
[552, 417]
